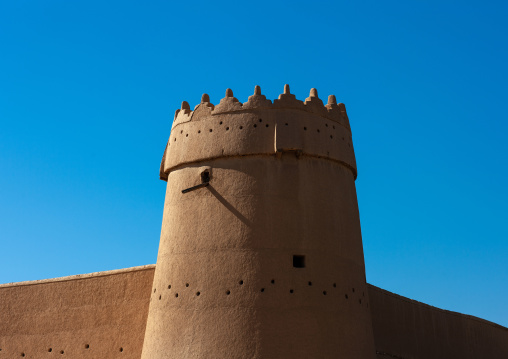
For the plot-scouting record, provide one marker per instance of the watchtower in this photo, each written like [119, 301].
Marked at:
[261, 253]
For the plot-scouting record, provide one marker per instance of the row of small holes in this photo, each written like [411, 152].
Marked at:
[241, 127]
[87, 346]
[291, 291]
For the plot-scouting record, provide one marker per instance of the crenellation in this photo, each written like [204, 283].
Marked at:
[257, 100]
[314, 104]
[288, 100]
[228, 103]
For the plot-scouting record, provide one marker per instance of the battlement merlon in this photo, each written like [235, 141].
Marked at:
[259, 127]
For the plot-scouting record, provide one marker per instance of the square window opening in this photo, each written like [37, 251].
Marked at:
[298, 261]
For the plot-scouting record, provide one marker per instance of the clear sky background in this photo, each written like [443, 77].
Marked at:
[88, 91]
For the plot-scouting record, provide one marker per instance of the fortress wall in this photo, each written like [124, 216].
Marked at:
[98, 315]
[407, 329]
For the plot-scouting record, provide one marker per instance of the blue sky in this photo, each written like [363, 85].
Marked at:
[88, 91]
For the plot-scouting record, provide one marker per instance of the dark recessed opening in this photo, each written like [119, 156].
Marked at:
[186, 284]
[240, 282]
[205, 177]
[50, 350]
[160, 297]
[198, 293]
[61, 351]
[272, 281]
[22, 354]
[324, 292]
[87, 346]
[310, 283]
[121, 349]
[169, 286]
[228, 292]
[291, 291]
[262, 290]
[298, 261]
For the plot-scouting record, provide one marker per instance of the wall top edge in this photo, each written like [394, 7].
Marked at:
[79, 276]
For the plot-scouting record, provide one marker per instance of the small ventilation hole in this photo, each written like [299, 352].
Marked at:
[324, 292]
[187, 284]
[267, 125]
[291, 291]
[61, 351]
[228, 292]
[220, 123]
[326, 124]
[176, 295]
[255, 125]
[199, 131]
[360, 301]
[346, 296]
[154, 290]
[87, 346]
[260, 120]
[318, 130]
[211, 130]
[121, 349]
[262, 290]
[227, 128]
[169, 286]
[335, 285]
[187, 135]
[240, 282]
[198, 294]
[333, 127]
[287, 124]
[331, 136]
[50, 350]
[181, 131]
[310, 283]
[272, 281]
[22, 354]
[241, 127]
[160, 297]
[305, 128]
[353, 290]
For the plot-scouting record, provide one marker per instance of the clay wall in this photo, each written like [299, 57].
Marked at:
[407, 329]
[98, 315]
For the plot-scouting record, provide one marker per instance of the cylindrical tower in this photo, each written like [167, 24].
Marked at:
[261, 252]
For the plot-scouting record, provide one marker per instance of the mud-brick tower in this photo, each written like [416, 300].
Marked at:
[261, 252]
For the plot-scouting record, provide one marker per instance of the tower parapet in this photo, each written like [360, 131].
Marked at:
[259, 126]
[261, 253]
